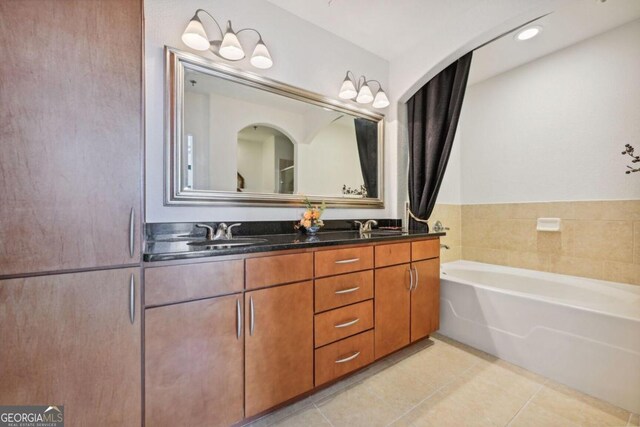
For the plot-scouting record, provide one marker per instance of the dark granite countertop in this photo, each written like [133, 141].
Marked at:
[178, 248]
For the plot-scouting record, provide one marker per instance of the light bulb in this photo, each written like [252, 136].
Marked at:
[194, 35]
[261, 57]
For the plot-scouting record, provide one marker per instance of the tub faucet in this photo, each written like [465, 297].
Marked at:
[438, 227]
[445, 246]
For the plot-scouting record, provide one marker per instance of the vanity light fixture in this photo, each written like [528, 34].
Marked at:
[361, 91]
[528, 33]
[228, 47]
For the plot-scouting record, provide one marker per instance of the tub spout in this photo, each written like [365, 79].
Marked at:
[445, 246]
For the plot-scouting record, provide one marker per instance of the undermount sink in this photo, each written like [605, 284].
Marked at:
[222, 243]
[384, 232]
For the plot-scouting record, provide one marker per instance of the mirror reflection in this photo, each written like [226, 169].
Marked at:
[242, 139]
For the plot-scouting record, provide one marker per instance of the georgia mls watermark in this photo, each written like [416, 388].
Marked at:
[32, 416]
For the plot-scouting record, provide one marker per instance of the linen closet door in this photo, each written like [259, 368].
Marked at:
[71, 120]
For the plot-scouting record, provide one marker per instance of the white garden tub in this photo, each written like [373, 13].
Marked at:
[582, 332]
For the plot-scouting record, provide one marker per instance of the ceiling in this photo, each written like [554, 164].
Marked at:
[386, 28]
[569, 24]
[390, 29]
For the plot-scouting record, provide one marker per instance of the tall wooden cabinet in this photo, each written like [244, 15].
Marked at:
[69, 339]
[71, 120]
[70, 162]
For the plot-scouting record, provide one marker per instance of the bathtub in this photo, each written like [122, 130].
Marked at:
[581, 332]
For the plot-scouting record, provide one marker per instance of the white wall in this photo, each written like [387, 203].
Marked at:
[304, 56]
[553, 129]
[328, 162]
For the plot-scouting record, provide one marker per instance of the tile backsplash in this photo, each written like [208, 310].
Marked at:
[598, 239]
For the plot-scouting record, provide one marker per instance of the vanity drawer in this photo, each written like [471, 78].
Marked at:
[338, 261]
[344, 356]
[395, 253]
[277, 269]
[338, 291]
[425, 249]
[174, 283]
[343, 322]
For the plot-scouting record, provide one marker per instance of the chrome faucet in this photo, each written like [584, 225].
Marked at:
[366, 227]
[209, 233]
[230, 228]
[222, 231]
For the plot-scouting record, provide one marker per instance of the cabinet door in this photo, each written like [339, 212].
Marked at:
[71, 133]
[425, 299]
[279, 345]
[392, 305]
[194, 364]
[68, 340]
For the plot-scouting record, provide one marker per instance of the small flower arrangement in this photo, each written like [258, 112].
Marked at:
[310, 220]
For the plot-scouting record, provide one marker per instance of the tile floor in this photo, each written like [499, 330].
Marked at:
[441, 382]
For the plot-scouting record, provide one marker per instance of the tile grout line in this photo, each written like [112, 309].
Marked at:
[455, 377]
[322, 414]
[527, 402]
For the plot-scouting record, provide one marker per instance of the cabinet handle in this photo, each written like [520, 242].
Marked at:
[132, 298]
[132, 231]
[417, 278]
[238, 319]
[347, 291]
[349, 323]
[349, 358]
[253, 316]
[410, 279]
[347, 261]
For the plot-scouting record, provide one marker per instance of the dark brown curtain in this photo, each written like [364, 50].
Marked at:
[367, 139]
[433, 114]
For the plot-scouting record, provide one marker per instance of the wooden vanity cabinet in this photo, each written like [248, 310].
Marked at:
[407, 295]
[194, 366]
[278, 345]
[69, 339]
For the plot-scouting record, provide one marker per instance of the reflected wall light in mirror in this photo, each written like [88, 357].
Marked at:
[360, 90]
[228, 47]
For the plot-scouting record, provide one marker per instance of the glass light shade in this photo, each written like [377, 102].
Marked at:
[364, 94]
[381, 100]
[347, 90]
[231, 48]
[194, 35]
[261, 57]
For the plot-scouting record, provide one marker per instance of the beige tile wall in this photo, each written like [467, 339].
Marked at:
[599, 239]
[450, 216]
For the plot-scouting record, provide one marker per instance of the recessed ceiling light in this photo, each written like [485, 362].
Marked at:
[528, 33]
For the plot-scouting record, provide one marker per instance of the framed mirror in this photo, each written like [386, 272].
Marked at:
[236, 138]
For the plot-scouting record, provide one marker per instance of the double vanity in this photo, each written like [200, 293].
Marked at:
[232, 332]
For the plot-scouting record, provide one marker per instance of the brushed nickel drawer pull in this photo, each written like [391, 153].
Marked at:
[410, 279]
[132, 298]
[417, 278]
[253, 317]
[349, 323]
[347, 291]
[349, 358]
[347, 261]
[132, 233]
[238, 319]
